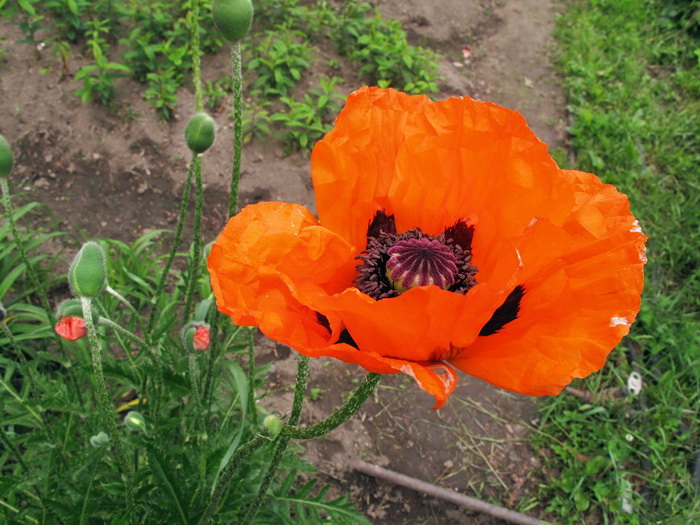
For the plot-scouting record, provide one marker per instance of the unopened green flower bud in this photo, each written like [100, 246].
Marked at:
[73, 308]
[88, 272]
[273, 425]
[200, 132]
[135, 421]
[232, 17]
[6, 158]
[99, 440]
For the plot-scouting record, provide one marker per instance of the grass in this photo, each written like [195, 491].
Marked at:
[632, 73]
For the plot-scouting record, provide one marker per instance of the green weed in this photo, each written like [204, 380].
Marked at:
[632, 79]
[306, 121]
[98, 78]
[279, 63]
[216, 92]
[380, 47]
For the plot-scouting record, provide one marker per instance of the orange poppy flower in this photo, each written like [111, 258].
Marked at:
[447, 238]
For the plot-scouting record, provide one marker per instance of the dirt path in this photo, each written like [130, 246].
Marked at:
[106, 176]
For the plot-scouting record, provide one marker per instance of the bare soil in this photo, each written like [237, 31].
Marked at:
[105, 175]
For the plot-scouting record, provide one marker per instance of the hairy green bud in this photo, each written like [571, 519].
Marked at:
[87, 275]
[200, 132]
[73, 308]
[232, 17]
[273, 425]
[6, 158]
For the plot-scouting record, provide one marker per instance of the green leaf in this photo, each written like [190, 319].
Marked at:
[581, 500]
[168, 486]
[27, 6]
[241, 382]
[73, 7]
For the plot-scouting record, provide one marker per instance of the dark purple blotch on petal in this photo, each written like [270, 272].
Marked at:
[505, 313]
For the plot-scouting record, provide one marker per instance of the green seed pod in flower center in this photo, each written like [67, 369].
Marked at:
[88, 273]
[6, 158]
[232, 17]
[200, 132]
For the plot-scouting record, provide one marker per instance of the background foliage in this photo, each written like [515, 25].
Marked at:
[632, 72]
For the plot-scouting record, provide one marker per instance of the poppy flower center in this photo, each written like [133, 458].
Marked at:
[394, 262]
[420, 262]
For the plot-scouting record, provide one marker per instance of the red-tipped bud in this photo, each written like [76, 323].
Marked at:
[71, 328]
[200, 340]
[195, 336]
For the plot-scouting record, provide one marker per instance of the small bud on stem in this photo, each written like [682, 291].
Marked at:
[135, 421]
[232, 17]
[200, 133]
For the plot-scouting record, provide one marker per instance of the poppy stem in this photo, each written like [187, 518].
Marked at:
[194, 385]
[349, 409]
[237, 126]
[196, 254]
[299, 389]
[252, 407]
[119, 331]
[123, 331]
[283, 442]
[195, 53]
[111, 291]
[104, 402]
[173, 250]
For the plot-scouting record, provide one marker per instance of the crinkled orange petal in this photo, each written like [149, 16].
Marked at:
[354, 165]
[582, 283]
[263, 248]
[422, 324]
[438, 379]
[432, 163]
[464, 157]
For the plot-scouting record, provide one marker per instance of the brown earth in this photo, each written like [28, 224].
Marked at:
[104, 175]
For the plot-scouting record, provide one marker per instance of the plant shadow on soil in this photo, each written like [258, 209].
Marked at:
[104, 175]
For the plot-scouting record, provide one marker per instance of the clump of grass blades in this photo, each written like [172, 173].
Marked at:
[631, 69]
